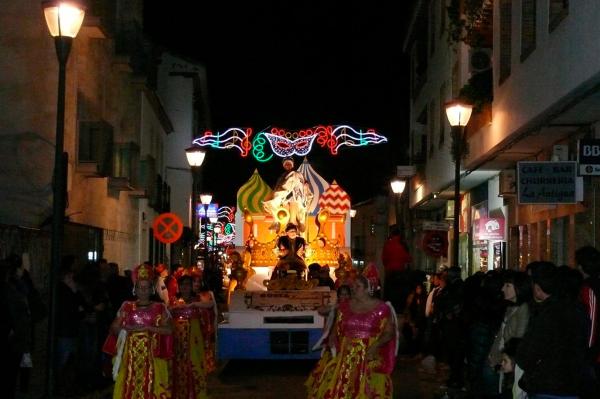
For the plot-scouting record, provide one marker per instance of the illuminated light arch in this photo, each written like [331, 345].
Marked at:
[258, 148]
[285, 143]
[284, 147]
[231, 138]
[355, 138]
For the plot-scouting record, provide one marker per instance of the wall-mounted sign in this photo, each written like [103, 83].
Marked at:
[588, 155]
[430, 225]
[435, 243]
[490, 229]
[547, 182]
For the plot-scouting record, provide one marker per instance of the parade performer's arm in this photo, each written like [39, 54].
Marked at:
[386, 335]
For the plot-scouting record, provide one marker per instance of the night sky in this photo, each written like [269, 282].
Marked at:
[293, 65]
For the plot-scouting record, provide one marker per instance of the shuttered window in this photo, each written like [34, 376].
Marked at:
[505, 39]
[432, 114]
[442, 115]
[558, 10]
[528, 26]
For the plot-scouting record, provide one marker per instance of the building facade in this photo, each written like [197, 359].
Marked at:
[529, 69]
[119, 136]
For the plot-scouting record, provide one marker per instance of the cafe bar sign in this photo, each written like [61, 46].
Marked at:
[548, 183]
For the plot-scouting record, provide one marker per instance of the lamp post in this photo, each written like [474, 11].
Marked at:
[398, 186]
[205, 199]
[213, 220]
[64, 20]
[458, 114]
[216, 232]
[195, 157]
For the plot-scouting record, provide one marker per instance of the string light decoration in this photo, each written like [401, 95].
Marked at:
[284, 143]
[231, 138]
[258, 148]
[226, 220]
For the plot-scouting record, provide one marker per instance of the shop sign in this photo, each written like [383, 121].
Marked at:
[491, 229]
[547, 182]
[435, 243]
[588, 156]
[430, 225]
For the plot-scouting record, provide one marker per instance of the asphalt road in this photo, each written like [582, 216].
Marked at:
[285, 379]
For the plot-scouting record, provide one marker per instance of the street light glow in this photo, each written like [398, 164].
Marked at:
[64, 18]
[205, 198]
[458, 112]
[398, 186]
[352, 213]
[195, 156]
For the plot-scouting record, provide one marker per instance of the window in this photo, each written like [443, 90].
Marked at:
[528, 25]
[505, 39]
[443, 16]
[442, 115]
[456, 85]
[431, 116]
[558, 10]
[95, 145]
[432, 24]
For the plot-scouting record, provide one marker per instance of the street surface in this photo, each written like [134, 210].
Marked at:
[285, 379]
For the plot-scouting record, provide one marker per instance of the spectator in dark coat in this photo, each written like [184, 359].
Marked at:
[588, 260]
[17, 330]
[552, 354]
[450, 305]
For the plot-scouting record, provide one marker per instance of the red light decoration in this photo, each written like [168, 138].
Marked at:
[285, 143]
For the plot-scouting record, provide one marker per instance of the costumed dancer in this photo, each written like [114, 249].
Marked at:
[327, 342]
[208, 318]
[365, 341]
[141, 343]
[189, 367]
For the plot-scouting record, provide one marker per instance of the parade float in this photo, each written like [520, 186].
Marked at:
[272, 318]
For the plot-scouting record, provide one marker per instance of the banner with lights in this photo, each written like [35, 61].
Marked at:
[284, 143]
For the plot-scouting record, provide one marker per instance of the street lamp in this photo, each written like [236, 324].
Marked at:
[458, 114]
[216, 232]
[64, 19]
[205, 199]
[398, 186]
[195, 157]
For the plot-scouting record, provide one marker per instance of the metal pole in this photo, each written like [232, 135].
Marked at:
[63, 47]
[457, 137]
[195, 226]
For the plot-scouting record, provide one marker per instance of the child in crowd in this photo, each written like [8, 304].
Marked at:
[509, 383]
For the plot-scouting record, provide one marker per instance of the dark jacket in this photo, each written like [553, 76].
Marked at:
[552, 353]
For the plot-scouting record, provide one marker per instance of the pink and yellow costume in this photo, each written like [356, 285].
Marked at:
[208, 317]
[144, 357]
[189, 368]
[348, 373]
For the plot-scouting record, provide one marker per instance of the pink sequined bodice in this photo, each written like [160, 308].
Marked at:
[362, 325]
[134, 315]
[180, 311]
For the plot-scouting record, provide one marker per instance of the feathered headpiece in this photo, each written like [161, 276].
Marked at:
[142, 272]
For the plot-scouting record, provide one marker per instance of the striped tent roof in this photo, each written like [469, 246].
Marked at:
[317, 184]
[335, 200]
[252, 193]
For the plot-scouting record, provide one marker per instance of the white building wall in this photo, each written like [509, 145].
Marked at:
[563, 60]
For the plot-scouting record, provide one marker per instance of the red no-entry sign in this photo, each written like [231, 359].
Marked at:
[167, 228]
